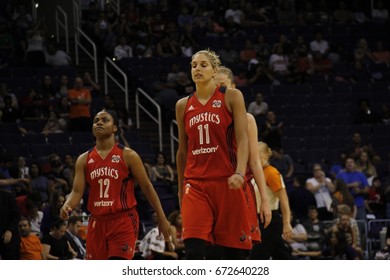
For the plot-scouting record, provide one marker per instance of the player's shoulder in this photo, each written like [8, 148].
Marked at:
[182, 102]
[82, 159]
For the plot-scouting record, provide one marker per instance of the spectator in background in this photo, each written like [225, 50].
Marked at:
[47, 91]
[342, 14]
[39, 183]
[34, 214]
[343, 240]
[319, 44]
[30, 245]
[184, 86]
[364, 164]
[184, 18]
[177, 232]
[300, 198]
[322, 188]
[228, 54]
[380, 54]
[37, 110]
[54, 124]
[298, 238]
[162, 171]
[90, 84]
[124, 119]
[9, 217]
[35, 38]
[271, 131]
[56, 57]
[316, 237]
[123, 50]
[155, 247]
[279, 64]
[258, 108]
[379, 13]
[55, 244]
[376, 199]
[63, 87]
[165, 47]
[10, 114]
[342, 196]
[285, 165]
[72, 235]
[62, 109]
[357, 184]
[51, 212]
[80, 102]
[247, 53]
[21, 19]
[357, 146]
[261, 46]
[235, 13]
[4, 90]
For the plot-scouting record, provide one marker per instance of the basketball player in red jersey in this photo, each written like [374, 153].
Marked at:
[224, 77]
[110, 170]
[211, 162]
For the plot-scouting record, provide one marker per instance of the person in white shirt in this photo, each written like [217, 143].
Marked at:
[155, 247]
[322, 187]
[319, 44]
[123, 49]
[56, 57]
[258, 107]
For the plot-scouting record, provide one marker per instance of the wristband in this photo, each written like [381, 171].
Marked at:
[238, 173]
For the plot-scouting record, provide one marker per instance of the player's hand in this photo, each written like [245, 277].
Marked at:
[265, 213]
[287, 232]
[236, 181]
[164, 227]
[64, 212]
[7, 236]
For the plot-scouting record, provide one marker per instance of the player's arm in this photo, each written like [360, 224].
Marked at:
[257, 170]
[78, 187]
[137, 168]
[286, 213]
[235, 103]
[181, 153]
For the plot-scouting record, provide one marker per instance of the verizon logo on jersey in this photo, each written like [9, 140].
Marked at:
[103, 203]
[204, 150]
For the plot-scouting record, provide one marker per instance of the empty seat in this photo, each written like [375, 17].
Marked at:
[33, 126]
[69, 71]
[17, 150]
[315, 142]
[36, 138]
[40, 72]
[292, 143]
[40, 150]
[54, 138]
[82, 137]
[11, 138]
[131, 136]
[22, 72]
[63, 149]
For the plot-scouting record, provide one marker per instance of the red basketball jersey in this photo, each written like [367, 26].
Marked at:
[211, 140]
[111, 185]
